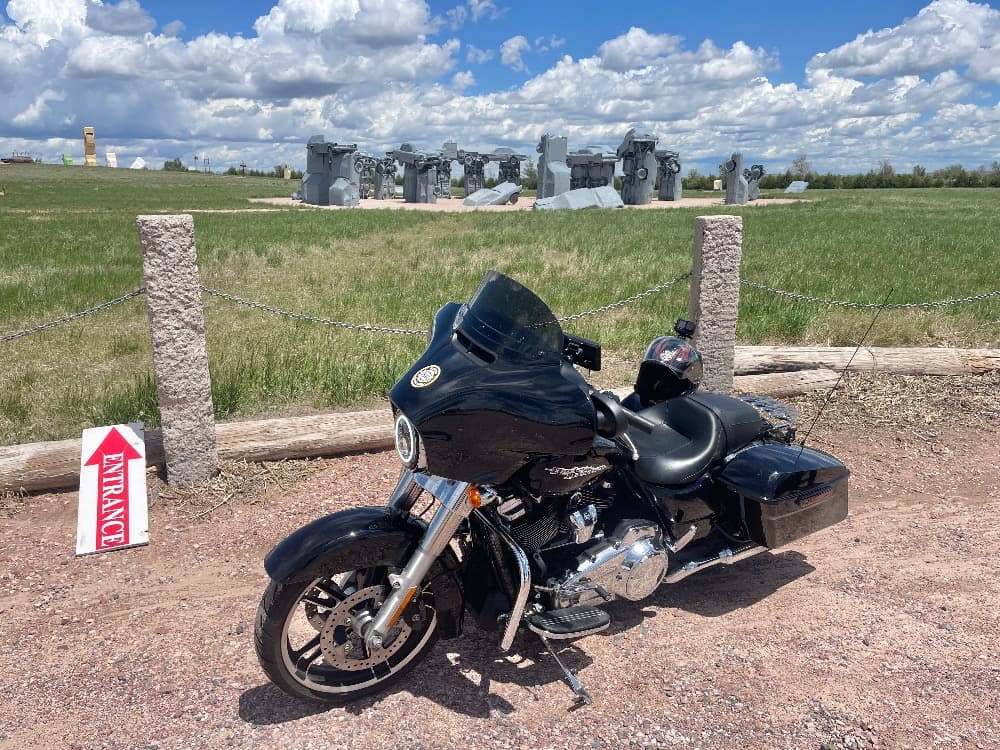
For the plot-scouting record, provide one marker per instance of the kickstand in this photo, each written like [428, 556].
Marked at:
[581, 696]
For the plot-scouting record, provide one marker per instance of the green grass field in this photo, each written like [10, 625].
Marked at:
[68, 242]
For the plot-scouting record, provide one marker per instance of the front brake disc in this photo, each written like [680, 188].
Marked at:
[343, 648]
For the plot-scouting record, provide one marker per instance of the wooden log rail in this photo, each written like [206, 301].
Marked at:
[899, 361]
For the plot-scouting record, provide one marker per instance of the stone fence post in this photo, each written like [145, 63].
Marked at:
[715, 296]
[180, 359]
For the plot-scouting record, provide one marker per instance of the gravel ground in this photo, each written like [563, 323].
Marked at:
[879, 632]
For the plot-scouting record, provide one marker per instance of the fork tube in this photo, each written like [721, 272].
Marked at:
[455, 507]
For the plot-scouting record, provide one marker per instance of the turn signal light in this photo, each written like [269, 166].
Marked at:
[475, 497]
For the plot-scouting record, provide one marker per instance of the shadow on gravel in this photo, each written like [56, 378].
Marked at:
[724, 588]
[460, 682]
[267, 704]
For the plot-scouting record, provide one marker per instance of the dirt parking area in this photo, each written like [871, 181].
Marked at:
[879, 632]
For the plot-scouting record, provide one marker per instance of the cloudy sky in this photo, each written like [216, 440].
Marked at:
[846, 83]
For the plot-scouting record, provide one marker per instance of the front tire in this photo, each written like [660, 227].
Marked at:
[307, 638]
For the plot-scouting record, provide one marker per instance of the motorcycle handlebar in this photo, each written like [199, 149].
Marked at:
[613, 419]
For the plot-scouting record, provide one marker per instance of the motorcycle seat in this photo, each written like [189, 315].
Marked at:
[687, 440]
[741, 423]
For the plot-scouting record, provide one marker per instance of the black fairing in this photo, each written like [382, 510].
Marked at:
[504, 396]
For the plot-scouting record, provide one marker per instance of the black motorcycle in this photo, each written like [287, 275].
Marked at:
[550, 498]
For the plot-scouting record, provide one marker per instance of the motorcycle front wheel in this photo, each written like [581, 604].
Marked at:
[308, 635]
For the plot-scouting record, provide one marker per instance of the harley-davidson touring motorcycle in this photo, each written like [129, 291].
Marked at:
[542, 499]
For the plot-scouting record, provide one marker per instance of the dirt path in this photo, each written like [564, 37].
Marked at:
[881, 631]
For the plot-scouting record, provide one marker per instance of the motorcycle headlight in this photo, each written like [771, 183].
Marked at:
[407, 441]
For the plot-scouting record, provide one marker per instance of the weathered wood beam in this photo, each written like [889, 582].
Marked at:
[896, 360]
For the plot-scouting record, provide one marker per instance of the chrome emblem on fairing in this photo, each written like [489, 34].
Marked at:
[576, 472]
[425, 376]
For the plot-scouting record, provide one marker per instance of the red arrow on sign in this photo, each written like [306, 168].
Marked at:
[111, 458]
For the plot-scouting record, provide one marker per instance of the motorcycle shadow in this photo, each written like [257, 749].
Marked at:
[725, 588]
[458, 675]
[458, 680]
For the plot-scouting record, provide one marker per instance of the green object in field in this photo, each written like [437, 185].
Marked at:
[67, 160]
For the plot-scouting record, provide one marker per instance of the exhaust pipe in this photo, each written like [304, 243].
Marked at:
[725, 557]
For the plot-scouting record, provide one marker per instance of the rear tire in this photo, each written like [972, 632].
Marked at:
[307, 647]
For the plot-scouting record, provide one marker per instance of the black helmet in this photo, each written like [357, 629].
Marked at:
[670, 367]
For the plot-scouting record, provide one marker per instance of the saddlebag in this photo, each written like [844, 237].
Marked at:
[787, 491]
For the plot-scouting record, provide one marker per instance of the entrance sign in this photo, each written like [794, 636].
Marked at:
[113, 511]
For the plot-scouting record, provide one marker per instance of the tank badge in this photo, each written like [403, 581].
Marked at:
[576, 472]
[425, 376]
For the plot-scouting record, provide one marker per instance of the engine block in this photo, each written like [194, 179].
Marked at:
[630, 564]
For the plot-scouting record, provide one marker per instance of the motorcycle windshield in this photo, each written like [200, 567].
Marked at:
[509, 321]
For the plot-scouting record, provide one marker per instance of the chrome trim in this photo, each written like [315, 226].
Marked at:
[582, 523]
[725, 557]
[632, 555]
[566, 636]
[683, 540]
[524, 574]
[455, 507]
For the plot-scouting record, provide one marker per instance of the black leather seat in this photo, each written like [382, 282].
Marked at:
[693, 432]
[741, 423]
[687, 440]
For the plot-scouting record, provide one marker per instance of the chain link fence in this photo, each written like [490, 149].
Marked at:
[797, 296]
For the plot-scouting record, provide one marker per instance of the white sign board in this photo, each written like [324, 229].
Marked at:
[113, 512]
[111, 159]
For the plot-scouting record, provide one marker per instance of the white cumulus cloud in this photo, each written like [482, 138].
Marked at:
[381, 72]
[634, 48]
[945, 34]
[511, 51]
[477, 56]
[126, 17]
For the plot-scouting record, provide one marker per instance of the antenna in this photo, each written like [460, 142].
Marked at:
[829, 394]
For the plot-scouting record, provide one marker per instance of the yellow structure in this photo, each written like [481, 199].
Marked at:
[89, 147]
[288, 172]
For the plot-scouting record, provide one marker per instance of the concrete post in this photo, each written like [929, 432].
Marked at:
[180, 359]
[715, 296]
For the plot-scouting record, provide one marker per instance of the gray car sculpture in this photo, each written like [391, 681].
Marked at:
[736, 183]
[752, 177]
[637, 152]
[669, 164]
[364, 165]
[385, 178]
[419, 174]
[591, 167]
[553, 172]
[330, 177]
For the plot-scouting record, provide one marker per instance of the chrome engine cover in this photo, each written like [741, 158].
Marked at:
[631, 564]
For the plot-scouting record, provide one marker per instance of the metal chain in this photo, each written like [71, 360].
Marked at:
[866, 305]
[413, 332]
[74, 316]
[628, 300]
[310, 318]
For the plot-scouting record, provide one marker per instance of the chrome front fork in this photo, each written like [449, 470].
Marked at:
[457, 501]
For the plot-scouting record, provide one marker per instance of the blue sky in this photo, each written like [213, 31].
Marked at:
[844, 83]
